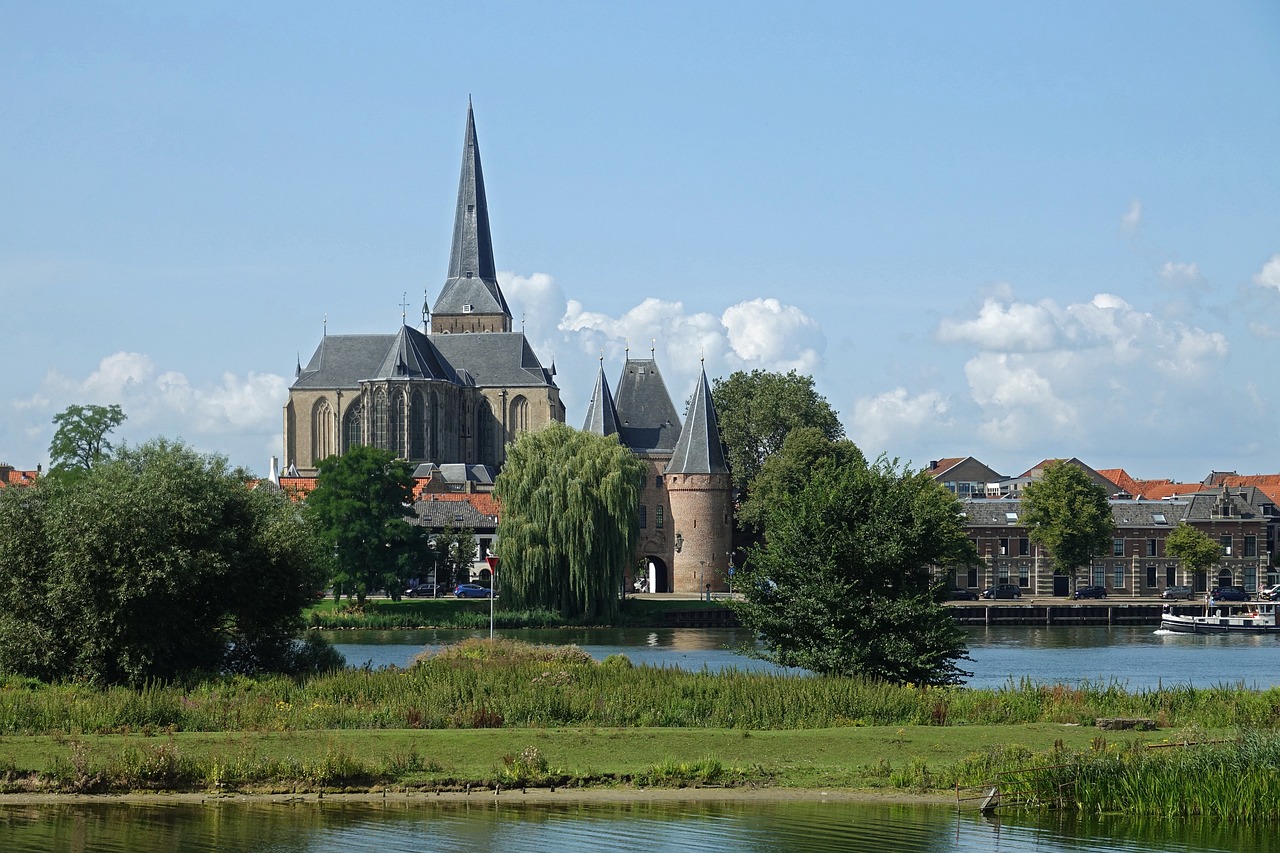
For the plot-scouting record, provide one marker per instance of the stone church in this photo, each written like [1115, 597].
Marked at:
[454, 392]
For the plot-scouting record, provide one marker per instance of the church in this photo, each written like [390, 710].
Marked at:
[451, 394]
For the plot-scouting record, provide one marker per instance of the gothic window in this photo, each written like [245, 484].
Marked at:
[353, 427]
[417, 427]
[484, 432]
[518, 419]
[395, 427]
[323, 441]
[380, 419]
[433, 414]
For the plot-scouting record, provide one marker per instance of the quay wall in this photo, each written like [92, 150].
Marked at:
[995, 613]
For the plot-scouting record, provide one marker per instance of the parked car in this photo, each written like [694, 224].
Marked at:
[426, 590]
[472, 590]
[1003, 590]
[962, 594]
[1271, 593]
[1172, 592]
[1091, 592]
[1228, 593]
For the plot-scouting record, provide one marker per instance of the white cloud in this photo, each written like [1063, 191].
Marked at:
[1018, 326]
[1179, 275]
[1132, 219]
[1269, 275]
[896, 417]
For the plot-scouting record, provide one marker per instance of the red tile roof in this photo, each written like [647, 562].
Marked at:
[14, 477]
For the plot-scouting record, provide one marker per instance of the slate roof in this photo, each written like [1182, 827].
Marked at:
[477, 511]
[993, 512]
[602, 414]
[342, 361]
[649, 420]
[494, 358]
[413, 356]
[472, 278]
[698, 451]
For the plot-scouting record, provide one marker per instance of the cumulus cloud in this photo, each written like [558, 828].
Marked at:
[1050, 373]
[1178, 276]
[896, 418]
[1269, 275]
[237, 414]
[1132, 219]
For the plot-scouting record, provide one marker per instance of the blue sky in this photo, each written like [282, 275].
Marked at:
[1006, 230]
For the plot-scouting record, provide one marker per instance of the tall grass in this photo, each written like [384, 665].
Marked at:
[1234, 781]
[481, 684]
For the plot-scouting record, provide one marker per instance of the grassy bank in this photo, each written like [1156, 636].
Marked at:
[509, 713]
[384, 614]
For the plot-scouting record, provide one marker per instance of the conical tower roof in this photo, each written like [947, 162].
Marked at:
[602, 414]
[698, 451]
[472, 284]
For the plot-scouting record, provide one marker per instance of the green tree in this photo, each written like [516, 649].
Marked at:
[1193, 547]
[456, 547]
[1068, 514]
[756, 410]
[568, 526]
[81, 437]
[787, 471]
[843, 583]
[360, 508]
[156, 563]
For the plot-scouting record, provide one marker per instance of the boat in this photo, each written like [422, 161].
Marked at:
[1224, 617]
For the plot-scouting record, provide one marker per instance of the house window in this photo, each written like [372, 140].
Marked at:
[1151, 547]
[1225, 541]
[1251, 578]
[1151, 574]
[1024, 547]
[657, 517]
[1004, 547]
[1002, 573]
[657, 482]
[1024, 575]
[1171, 574]
[1117, 547]
[1100, 575]
[1158, 518]
[1118, 571]
[972, 576]
[1250, 546]
[644, 516]
[1011, 517]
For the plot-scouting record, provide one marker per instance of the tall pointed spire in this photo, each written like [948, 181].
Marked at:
[602, 414]
[471, 288]
[698, 450]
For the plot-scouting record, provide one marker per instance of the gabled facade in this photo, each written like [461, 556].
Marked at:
[456, 390]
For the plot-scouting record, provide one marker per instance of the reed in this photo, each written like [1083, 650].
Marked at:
[480, 684]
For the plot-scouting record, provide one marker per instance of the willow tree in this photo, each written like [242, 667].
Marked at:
[568, 528]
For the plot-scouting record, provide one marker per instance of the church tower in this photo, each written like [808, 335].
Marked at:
[700, 491]
[471, 300]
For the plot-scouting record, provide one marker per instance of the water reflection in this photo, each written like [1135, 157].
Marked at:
[483, 824]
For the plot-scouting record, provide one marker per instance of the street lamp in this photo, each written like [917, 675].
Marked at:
[492, 560]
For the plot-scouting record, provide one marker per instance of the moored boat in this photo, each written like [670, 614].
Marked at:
[1245, 617]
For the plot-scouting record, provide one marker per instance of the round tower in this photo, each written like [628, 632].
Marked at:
[702, 515]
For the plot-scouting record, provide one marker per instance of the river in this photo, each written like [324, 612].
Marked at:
[1137, 657]
[592, 827]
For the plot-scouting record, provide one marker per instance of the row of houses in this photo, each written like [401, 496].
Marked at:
[1238, 512]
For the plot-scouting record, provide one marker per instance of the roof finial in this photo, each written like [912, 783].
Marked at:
[602, 358]
[325, 333]
[522, 315]
[703, 358]
[653, 346]
[627, 351]
[404, 306]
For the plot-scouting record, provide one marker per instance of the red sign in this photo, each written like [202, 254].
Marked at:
[492, 560]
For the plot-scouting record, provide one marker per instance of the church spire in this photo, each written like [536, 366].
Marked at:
[471, 299]
[698, 451]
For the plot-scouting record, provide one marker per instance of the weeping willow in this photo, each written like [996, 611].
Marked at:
[568, 526]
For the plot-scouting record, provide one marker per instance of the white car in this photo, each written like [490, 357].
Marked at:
[1271, 593]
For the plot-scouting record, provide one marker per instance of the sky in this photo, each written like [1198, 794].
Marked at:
[1012, 231]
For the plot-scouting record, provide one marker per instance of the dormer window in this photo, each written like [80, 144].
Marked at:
[466, 309]
[1011, 517]
[1158, 518]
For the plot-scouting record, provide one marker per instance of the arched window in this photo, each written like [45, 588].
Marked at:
[323, 427]
[417, 426]
[484, 433]
[396, 425]
[379, 423]
[353, 427]
[517, 418]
